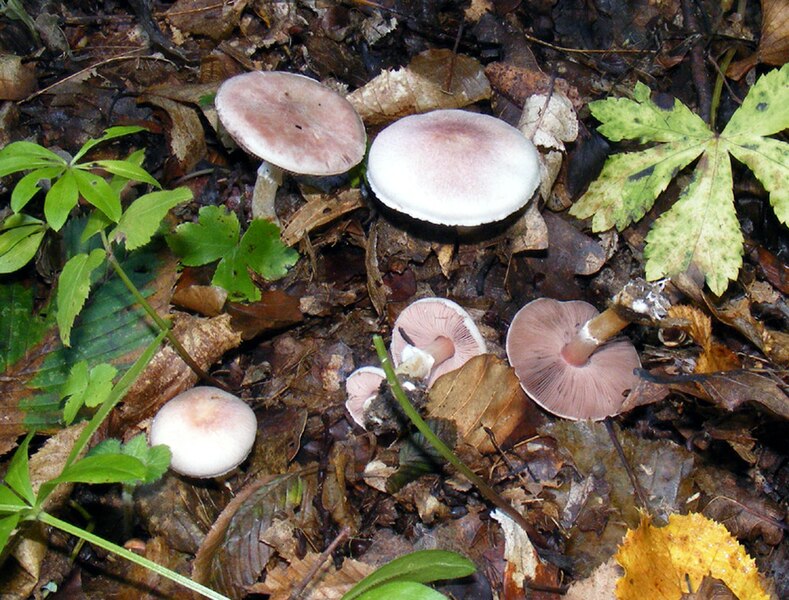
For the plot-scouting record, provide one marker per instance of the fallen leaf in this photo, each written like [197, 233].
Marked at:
[714, 356]
[774, 41]
[17, 81]
[276, 309]
[205, 17]
[207, 300]
[600, 585]
[319, 210]
[658, 561]
[549, 121]
[518, 83]
[421, 87]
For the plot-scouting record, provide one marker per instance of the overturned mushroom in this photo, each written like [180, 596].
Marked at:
[291, 122]
[433, 336]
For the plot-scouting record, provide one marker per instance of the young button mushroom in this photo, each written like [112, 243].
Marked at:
[362, 387]
[433, 336]
[293, 123]
[452, 167]
[208, 431]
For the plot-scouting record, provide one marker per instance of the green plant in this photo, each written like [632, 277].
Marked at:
[405, 576]
[701, 229]
[216, 237]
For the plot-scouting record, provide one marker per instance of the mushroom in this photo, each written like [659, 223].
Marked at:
[433, 336]
[362, 387]
[453, 167]
[208, 431]
[293, 123]
[562, 358]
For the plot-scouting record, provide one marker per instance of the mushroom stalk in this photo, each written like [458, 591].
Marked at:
[593, 334]
[268, 180]
[419, 362]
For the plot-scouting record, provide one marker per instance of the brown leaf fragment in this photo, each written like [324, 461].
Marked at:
[518, 83]
[207, 300]
[281, 429]
[483, 394]
[205, 17]
[422, 87]
[714, 356]
[375, 283]
[17, 81]
[711, 588]
[275, 310]
[328, 583]
[206, 340]
[774, 42]
[319, 210]
[601, 584]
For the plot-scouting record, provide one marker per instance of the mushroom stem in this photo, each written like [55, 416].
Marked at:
[419, 362]
[593, 334]
[266, 185]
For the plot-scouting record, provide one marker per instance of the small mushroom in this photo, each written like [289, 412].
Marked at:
[433, 336]
[208, 431]
[291, 122]
[362, 387]
[564, 361]
[453, 167]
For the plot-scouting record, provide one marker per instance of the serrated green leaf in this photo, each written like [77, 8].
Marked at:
[7, 526]
[86, 387]
[769, 161]
[109, 468]
[215, 234]
[73, 289]
[127, 170]
[19, 241]
[60, 199]
[142, 219]
[18, 475]
[401, 590]
[232, 275]
[98, 192]
[155, 458]
[109, 134]
[765, 110]
[641, 119]
[422, 566]
[630, 182]
[264, 251]
[701, 229]
[97, 221]
[28, 186]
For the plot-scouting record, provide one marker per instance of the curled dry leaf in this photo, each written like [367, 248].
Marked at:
[659, 561]
[714, 356]
[205, 17]
[483, 393]
[600, 584]
[319, 210]
[16, 80]
[434, 79]
[549, 121]
[774, 42]
[518, 83]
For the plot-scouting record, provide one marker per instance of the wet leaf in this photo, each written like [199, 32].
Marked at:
[659, 560]
[774, 41]
[73, 289]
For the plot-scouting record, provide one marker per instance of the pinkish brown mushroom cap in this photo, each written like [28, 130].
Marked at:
[453, 167]
[361, 387]
[429, 321]
[208, 431]
[595, 390]
[292, 121]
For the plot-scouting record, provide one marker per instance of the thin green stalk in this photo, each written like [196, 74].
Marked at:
[716, 92]
[160, 322]
[445, 451]
[131, 556]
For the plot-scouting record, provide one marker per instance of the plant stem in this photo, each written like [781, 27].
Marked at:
[131, 556]
[160, 322]
[716, 92]
[445, 451]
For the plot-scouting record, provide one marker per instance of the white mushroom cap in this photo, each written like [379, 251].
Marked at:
[595, 390]
[428, 319]
[292, 121]
[453, 167]
[208, 431]
[362, 387]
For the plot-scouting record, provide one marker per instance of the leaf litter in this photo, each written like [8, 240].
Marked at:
[288, 344]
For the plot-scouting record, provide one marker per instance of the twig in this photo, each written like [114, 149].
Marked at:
[302, 585]
[642, 500]
[701, 79]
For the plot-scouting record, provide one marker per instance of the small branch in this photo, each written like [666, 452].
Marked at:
[642, 499]
[701, 79]
[302, 585]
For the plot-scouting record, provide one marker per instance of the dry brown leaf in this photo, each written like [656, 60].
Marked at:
[421, 87]
[483, 393]
[17, 81]
[714, 356]
[529, 232]
[276, 309]
[599, 585]
[659, 561]
[326, 584]
[375, 281]
[206, 17]
[319, 210]
[207, 300]
[549, 121]
[518, 83]
[774, 43]
[185, 136]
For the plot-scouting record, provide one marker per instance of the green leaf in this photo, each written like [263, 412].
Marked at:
[422, 566]
[769, 161]
[86, 387]
[18, 475]
[264, 251]
[28, 186]
[20, 327]
[23, 156]
[98, 192]
[107, 468]
[60, 199]
[401, 590]
[20, 237]
[764, 110]
[701, 229]
[97, 221]
[7, 526]
[136, 158]
[215, 234]
[127, 170]
[630, 182]
[109, 134]
[142, 219]
[10, 502]
[156, 459]
[73, 289]
[642, 119]
[232, 275]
